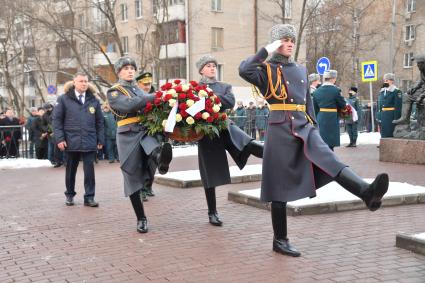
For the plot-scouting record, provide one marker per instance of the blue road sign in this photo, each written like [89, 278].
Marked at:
[322, 65]
[369, 71]
[51, 89]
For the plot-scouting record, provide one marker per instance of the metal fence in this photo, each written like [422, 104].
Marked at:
[14, 142]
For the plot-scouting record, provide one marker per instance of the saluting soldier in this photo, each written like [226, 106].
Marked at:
[212, 158]
[389, 105]
[127, 102]
[144, 81]
[314, 80]
[327, 101]
[296, 161]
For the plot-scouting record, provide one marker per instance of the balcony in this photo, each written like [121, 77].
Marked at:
[100, 60]
[175, 50]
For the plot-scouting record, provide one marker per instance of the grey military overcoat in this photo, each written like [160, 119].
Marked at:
[133, 144]
[212, 158]
[296, 161]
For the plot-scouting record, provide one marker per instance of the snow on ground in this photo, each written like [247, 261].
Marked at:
[420, 236]
[363, 138]
[190, 175]
[333, 192]
[18, 163]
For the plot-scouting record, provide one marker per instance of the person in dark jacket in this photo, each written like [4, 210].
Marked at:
[212, 158]
[250, 120]
[12, 135]
[110, 134]
[240, 116]
[296, 160]
[127, 103]
[40, 133]
[79, 131]
[28, 125]
[349, 122]
[261, 116]
[328, 101]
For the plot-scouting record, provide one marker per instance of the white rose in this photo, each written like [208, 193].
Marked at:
[164, 122]
[205, 115]
[172, 102]
[190, 120]
[172, 92]
[202, 93]
[185, 87]
[178, 117]
[216, 108]
[190, 102]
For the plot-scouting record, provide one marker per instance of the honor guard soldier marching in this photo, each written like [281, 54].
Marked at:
[327, 101]
[212, 158]
[389, 105]
[144, 82]
[296, 161]
[135, 146]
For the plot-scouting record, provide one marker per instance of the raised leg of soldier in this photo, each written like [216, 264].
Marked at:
[142, 222]
[371, 194]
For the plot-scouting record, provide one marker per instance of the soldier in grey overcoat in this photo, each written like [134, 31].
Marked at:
[213, 165]
[296, 161]
[127, 102]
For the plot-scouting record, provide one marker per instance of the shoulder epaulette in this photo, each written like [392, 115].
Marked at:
[121, 89]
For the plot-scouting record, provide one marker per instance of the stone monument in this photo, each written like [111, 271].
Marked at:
[408, 144]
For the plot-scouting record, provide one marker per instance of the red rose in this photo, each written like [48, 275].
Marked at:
[157, 101]
[190, 95]
[198, 116]
[223, 116]
[178, 88]
[182, 96]
[148, 107]
[183, 106]
[208, 103]
[195, 98]
[184, 113]
[177, 82]
[210, 119]
[217, 100]
[158, 94]
[215, 115]
[193, 83]
[167, 97]
[198, 88]
[166, 86]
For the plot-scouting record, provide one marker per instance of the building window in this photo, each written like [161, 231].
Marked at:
[138, 7]
[220, 69]
[155, 7]
[406, 85]
[288, 9]
[411, 6]
[216, 5]
[410, 32]
[408, 60]
[124, 42]
[124, 13]
[81, 21]
[217, 38]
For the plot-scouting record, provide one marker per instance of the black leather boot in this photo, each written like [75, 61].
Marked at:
[255, 148]
[163, 157]
[371, 194]
[142, 225]
[212, 209]
[280, 241]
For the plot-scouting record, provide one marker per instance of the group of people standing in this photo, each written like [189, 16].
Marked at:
[296, 160]
[251, 119]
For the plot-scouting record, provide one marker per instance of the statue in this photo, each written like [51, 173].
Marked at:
[405, 128]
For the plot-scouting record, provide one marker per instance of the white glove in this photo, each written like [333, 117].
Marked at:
[273, 46]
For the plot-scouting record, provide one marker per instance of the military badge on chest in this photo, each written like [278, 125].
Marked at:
[92, 110]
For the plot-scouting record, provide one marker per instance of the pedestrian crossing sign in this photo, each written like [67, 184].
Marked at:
[369, 71]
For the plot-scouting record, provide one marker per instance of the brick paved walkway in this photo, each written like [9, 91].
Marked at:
[42, 240]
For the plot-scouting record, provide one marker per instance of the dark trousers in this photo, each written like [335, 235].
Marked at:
[352, 131]
[111, 149]
[73, 158]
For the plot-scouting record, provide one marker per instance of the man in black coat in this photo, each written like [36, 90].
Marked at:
[12, 135]
[40, 133]
[78, 130]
